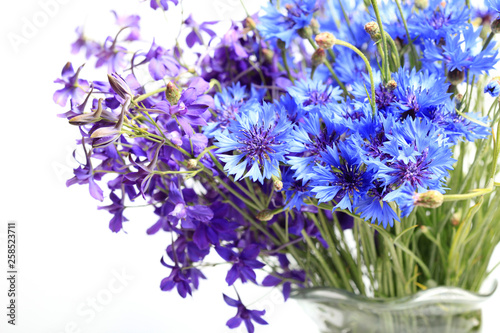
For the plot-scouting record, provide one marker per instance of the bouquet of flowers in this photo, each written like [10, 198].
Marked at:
[346, 144]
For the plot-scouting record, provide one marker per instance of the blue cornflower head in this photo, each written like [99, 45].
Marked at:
[311, 138]
[244, 315]
[495, 5]
[418, 93]
[283, 23]
[228, 103]
[493, 87]
[373, 207]
[341, 175]
[463, 52]
[439, 20]
[261, 138]
[295, 190]
[295, 111]
[420, 158]
[313, 95]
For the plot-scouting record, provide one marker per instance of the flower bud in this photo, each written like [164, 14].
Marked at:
[191, 163]
[325, 40]
[119, 85]
[421, 4]
[268, 55]
[373, 30]
[495, 26]
[305, 32]
[318, 57]
[391, 85]
[88, 118]
[429, 199]
[456, 77]
[278, 185]
[456, 218]
[103, 136]
[264, 215]
[249, 22]
[314, 26]
[172, 93]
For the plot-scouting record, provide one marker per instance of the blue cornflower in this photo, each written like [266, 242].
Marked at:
[343, 176]
[418, 93]
[495, 5]
[439, 19]
[313, 95]
[420, 158]
[261, 136]
[493, 88]
[373, 207]
[228, 103]
[275, 24]
[463, 52]
[244, 315]
[311, 139]
[295, 190]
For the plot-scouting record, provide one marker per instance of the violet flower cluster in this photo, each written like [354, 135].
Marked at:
[294, 112]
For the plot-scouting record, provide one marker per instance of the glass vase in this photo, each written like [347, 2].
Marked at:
[435, 310]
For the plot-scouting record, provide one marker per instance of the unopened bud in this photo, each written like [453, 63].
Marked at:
[249, 22]
[268, 55]
[373, 30]
[391, 85]
[172, 93]
[495, 26]
[88, 118]
[318, 57]
[421, 4]
[429, 199]
[278, 185]
[456, 218]
[325, 40]
[264, 215]
[456, 77]
[305, 32]
[119, 85]
[314, 26]
[191, 163]
[424, 229]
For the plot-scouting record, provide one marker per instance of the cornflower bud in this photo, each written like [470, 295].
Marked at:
[495, 25]
[373, 30]
[191, 163]
[264, 215]
[391, 85]
[278, 185]
[456, 77]
[119, 85]
[456, 218]
[250, 23]
[318, 57]
[305, 32]
[314, 26]
[325, 40]
[172, 93]
[429, 199]
[421, 4]
[268, 55]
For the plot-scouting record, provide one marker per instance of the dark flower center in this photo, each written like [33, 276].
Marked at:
[258, 143]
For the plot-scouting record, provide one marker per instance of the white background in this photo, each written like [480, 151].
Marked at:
[68, 258]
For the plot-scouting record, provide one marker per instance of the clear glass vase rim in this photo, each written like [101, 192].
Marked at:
[443, 293]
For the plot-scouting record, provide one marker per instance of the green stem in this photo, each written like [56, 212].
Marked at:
[368, 68]
[385, 65]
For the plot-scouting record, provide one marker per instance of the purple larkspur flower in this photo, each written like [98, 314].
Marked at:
[195, 35]
[160, 62]
[128, 21]
[243, 263]
[112, 55]
[163, 4]
[73, 86]
[244, 315]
